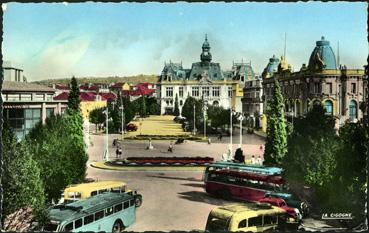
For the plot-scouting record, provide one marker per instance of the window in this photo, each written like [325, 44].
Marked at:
[180, 91]
[132, 202]
[108, 211]
[181, 102]
[40, 97]
[328, 105]
[353, 87]
[230, 90]
[270, 219]
[316, 87]
[353, 110]
[329, 88]
[68, 227]
[216, 91]
[195, 91]
[117, 208]
[99, 215]
[256, 221]
[205, 91]
[78, 223]
[169, 91]
[49, 112]
[126, 204]
[88, 219]
[242, 224]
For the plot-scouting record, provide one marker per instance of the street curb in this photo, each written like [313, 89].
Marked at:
[261, 134]
[101, 165]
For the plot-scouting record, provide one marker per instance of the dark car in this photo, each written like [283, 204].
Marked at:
[131, 127]
[179, 119]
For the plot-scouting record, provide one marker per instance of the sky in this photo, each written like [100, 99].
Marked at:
[59, 40]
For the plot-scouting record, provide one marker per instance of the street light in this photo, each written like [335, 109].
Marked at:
[194, 123]
[241, 117]
[204, 109]
[122, 108]
[106, 155]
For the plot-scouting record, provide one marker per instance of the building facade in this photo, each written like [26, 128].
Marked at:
[26, 104]
[252, 101]
[12, 73]
[340, 90]
[205, 80]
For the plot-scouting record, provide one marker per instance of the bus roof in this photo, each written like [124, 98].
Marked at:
[85, 207]
[247, 167]
[251, 209]
[93, 186]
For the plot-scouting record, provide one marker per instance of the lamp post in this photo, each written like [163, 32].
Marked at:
[241, 119]
[122, 108]
[106, 156]
[194, 119]
[205, 108]
[230, 138]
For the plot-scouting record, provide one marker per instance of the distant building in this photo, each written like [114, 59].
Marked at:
[89, 100]
[119, 87]
[13, 74]
[340, 90]
[205, 80]
[252, 101]
[26, 104]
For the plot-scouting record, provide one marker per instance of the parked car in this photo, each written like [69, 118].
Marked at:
[291, 201]
[293, 212]
[179, 119]
[131, 127]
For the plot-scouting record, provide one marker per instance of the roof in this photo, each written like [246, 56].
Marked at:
[254, 209]
[61, 87]
[248, 167]
[89, 187]
[83, 207]
[322, 56]
[87, 96]
[117, 85]
[26, 87]
[271, 67]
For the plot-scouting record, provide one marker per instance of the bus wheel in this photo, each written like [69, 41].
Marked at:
[138, 201]
[117, 227]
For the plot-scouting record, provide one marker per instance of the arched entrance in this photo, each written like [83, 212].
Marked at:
[353, 110]
[328, 105]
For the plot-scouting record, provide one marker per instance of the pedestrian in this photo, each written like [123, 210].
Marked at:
[258, 161]
[261, 147]
[209, 141]
[117, 152]
[170, 149]
[238, 156]
[220, 137]
[253, 161]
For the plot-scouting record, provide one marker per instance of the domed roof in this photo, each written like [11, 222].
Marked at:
[272, 67]
[322, 56]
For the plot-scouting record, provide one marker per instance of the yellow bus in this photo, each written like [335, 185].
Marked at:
[254, 217]
[77, 192]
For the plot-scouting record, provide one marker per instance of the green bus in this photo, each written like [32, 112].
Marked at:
[109, 212]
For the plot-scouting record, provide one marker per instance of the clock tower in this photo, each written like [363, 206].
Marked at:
[205, 55]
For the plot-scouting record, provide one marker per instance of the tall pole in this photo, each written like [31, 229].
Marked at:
[107, 135]
[204, 120]
[194, 123]
[122, 114]
[241, 119]
[230, 138]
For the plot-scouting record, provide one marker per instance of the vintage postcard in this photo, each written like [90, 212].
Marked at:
[182, 116]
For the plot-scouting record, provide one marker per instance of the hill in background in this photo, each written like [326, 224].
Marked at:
[81, 80]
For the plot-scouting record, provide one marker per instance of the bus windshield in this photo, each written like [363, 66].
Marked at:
[217, 224]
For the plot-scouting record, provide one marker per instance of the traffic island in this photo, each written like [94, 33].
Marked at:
[120, 166]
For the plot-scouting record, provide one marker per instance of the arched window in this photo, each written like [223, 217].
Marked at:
[328, 105]
[216, 103]
[353, 109]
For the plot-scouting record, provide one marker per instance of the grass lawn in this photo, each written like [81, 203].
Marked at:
[157, 125]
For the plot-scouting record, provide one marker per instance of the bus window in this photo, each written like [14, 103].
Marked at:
[108, 211]
[116, 190]
[78, 223]
[255, 221]
[126, 204]
[131, 202]
[117, 208]
[242, 224]
[93, 193]
[99, 215]
[88, 219]
[68, 227]
[270, 219]
[103, 191]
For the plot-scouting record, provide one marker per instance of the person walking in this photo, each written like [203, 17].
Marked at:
[170, 149]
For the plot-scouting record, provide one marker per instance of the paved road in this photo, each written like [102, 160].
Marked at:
[173, 200]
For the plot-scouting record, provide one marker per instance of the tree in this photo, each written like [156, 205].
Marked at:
[187, 111]
[143, 106]
[176, 108]
[21, 182]
[276, 141]
[73, 97]
[152, 106]
[59, 149]
[97, 116]
[218, 116]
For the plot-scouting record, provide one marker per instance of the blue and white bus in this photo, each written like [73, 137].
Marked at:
[109, 212]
